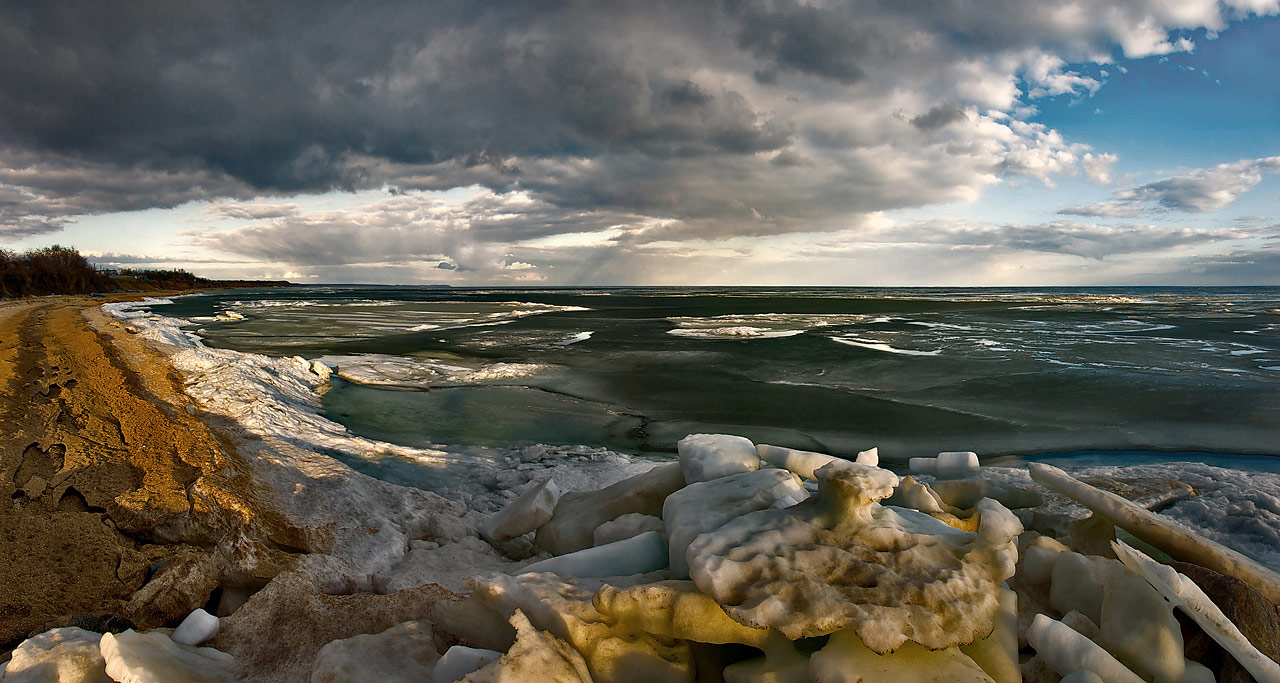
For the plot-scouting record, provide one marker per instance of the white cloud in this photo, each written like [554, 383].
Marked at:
[1097, 167]
[1199, 191]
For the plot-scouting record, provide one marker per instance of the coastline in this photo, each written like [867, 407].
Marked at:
[291, 547]
[131, 506]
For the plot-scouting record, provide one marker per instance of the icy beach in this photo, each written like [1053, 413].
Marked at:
[731, 560]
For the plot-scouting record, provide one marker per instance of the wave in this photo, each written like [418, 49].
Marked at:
[734, 332]
[878, 346]
[759, 325]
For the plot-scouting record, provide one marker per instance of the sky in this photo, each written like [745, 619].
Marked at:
[724, 142]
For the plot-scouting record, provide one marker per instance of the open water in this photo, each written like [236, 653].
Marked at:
[1004, 372]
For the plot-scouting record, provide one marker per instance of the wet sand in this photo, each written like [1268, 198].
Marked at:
[108, 477]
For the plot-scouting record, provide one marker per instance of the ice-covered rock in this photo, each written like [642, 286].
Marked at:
[198, 627]
[845, 561]
[803, 463]
[535, 656]
[1179, 542]
[955, 464]
[153, 657]
[320, 370]
[563, 607]
[626, 527]
[404, 653]
[707, 456]
[1257, 618]
[1184, 594]
[707, 505]
[62, 655]
[640, 554]
[845, 659]
[677, 609]
[1066, 652]
[524, 514]
[578, 514]
[459, 661]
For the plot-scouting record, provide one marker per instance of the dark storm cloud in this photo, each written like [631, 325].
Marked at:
[939, 116]
[733, 117]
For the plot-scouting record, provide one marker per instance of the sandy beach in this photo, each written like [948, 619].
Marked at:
[128, 507]
[109, 474]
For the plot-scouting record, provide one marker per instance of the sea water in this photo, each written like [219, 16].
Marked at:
[478, 394]
[1004, 372]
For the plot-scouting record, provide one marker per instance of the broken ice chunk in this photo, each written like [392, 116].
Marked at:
[153, 657]
[803, 463]
[955, 464]
[626, 527]
[198, 627]
[636, 555]
[461, 660]
[707, 456]
[1066, 652]
[524, 514]
[572, 526]
[62, 654]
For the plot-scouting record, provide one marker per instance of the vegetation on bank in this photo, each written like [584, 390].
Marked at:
[62, 270]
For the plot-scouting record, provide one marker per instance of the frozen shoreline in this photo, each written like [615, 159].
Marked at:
[277, 398]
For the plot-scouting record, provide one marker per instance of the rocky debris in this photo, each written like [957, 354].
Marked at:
[536, 655]
[896, 593]
[1184, 594]
[302, 618]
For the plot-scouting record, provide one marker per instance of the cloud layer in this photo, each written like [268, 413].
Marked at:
[649, 122]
